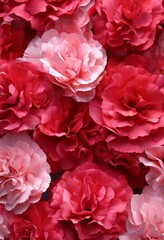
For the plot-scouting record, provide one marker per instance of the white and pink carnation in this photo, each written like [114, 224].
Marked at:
[74, 60]
[146, 216]
[24, 172]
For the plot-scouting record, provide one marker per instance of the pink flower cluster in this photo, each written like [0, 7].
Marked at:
[81, 119]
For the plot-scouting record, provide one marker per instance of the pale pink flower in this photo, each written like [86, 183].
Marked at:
[154, 159]
[75, 61]
[146, 216]
[24, 172]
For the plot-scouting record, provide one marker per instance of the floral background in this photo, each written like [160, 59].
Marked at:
[81, 119]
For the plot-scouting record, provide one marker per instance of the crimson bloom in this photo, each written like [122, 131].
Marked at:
[129, 104]
[25, 93]
[121, 24]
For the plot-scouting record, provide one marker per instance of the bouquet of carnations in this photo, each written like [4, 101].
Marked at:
[81, 119]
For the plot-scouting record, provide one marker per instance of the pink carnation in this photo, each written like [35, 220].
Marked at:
[145, 219]
[74, 60]
[124, 24]
[24, 172]
[154, 159]
[129, 104]
[94, 200]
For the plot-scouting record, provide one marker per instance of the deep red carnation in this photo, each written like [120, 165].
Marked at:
[34, 224]
[65, 132]
[94, 200]
[25, 93]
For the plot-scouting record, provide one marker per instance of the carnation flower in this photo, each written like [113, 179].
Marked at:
[63, 152]
[63, 132]
[25, 93]
[24, 172]
[94, 200]
[129, 104]
[121, 24]
[74, 60]
[145, 218]
[154, 159]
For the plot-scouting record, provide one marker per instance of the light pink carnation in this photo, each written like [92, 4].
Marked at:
[24, 174]
[146, 216]
[74, 60]
[154, 159]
